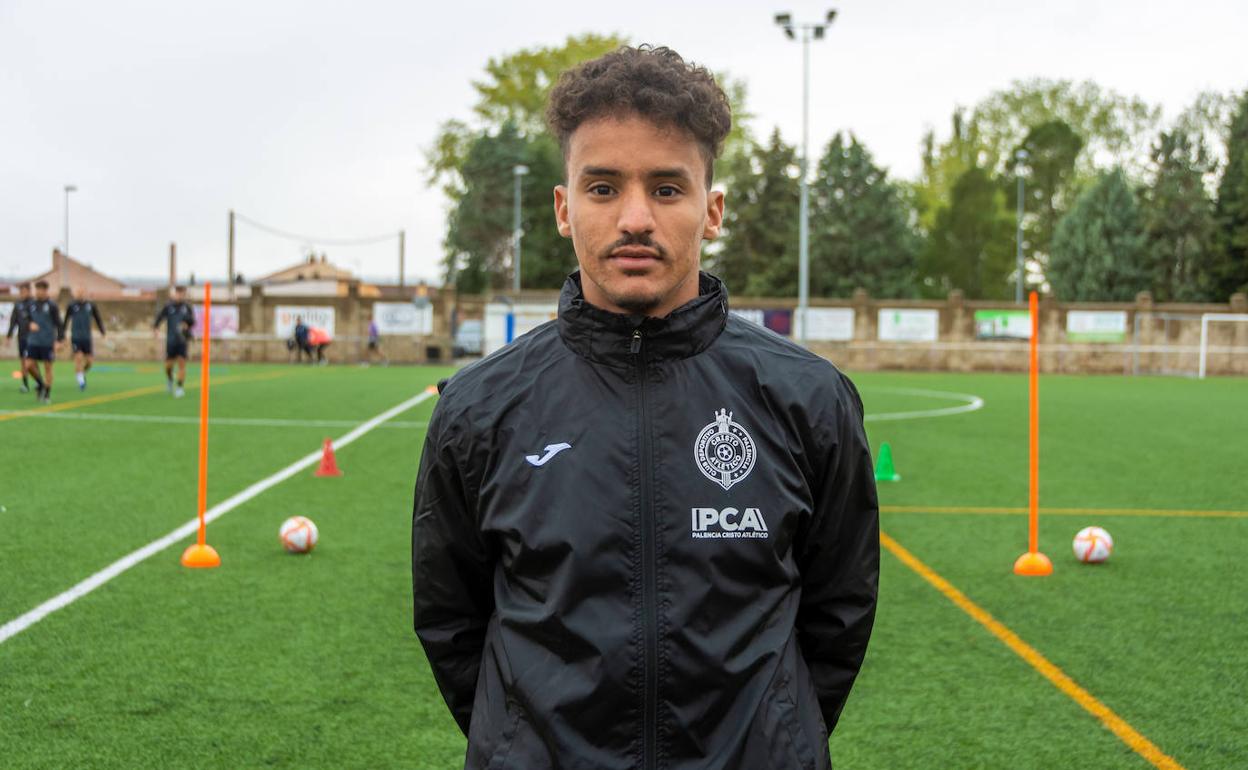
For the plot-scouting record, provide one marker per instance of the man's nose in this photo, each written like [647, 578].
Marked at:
[636, 216]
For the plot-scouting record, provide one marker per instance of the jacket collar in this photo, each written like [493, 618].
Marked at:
[607, 337]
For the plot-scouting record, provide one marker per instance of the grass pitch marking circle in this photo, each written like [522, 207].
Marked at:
[970, 403]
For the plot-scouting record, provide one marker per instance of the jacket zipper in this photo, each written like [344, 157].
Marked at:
[649, 577]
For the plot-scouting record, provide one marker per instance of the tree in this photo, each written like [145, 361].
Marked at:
[971, 245]
[860, 230]
[1229, 271]
[1099, 248]
[757, 255]
[1110, 124]
[478, 241]
[1051, 148]
[1178, 219]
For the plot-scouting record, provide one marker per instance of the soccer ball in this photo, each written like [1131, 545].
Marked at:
[298, 534]
[1093, 545]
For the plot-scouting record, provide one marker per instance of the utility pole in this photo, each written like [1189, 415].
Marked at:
[809, 31]
[402, 255]
[173, 265]
[1020, 158]
[231, 266]
[519, 171]
[69, 188]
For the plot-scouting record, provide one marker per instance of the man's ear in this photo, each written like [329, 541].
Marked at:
[714, 215]
[561, 211]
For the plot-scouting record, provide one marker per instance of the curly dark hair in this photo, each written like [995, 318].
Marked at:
[654, 83]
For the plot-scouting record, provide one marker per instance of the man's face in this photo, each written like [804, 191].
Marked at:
[637, 210]
[79, 294]
[179, 295]
[24, 292]
[41, 293]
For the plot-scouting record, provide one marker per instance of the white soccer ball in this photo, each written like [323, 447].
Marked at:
[1093, 545]
[298, 534]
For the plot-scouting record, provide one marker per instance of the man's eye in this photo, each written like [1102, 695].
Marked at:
[667, 191]
[600, 189]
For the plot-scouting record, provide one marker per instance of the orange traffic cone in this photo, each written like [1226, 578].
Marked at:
[329, 466]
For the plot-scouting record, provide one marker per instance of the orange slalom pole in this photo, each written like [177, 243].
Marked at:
[1033, 562]
[201, 554]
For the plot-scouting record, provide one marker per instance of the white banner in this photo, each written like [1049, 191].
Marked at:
[504, 322]
[224, 321]
[403, 318]
[898, 325]
[835, 324]
[6, 314]
[1096, 325]
[320, 316]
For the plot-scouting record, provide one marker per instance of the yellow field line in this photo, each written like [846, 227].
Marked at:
[1125, 732]
[135, 393]
[1061, 511]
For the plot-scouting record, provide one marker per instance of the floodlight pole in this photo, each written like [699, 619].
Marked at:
[1020, 157]
[69, 188]
[518, 171]
[785, 21]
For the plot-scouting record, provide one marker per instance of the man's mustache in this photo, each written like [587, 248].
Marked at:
[636, 239]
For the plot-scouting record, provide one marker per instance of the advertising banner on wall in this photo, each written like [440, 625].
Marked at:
[403, 318]
[902, 325]
[503, 322]
[320, 316]
[779, 321]
[1002, 325]
[6, 313]
[1096, 325]
[827, 324]
[224, 321]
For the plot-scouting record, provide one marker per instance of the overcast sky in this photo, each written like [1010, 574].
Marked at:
[314, 117]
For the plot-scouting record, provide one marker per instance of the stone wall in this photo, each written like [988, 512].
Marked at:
[1159, 338]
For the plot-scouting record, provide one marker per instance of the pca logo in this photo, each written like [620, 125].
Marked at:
[724, 451]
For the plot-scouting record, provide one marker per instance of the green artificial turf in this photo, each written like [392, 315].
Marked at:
[310, 662]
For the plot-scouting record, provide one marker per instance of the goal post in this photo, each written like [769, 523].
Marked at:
[1204, 334]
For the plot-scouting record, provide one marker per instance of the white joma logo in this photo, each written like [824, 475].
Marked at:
[729, 523]
[551, 451]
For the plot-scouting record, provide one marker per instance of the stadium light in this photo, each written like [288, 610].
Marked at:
[1020, 157]
[518, 171]
[809, 31]
[69, 188]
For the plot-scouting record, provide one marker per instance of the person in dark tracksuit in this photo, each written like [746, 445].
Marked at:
[645, 534]
[19, 324]
[78, 317]
[45, 334]
[179, 320]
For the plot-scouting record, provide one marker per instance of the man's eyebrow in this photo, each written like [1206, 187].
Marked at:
[675, 172]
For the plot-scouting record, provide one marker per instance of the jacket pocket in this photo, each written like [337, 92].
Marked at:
[783, 706]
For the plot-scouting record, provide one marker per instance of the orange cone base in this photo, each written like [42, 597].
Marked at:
[1033, 565]
[197, 556]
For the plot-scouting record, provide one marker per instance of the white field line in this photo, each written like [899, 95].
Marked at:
[257, 422]
[971, 404]
[23, 622]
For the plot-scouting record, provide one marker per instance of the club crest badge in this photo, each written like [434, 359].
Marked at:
[724, 451]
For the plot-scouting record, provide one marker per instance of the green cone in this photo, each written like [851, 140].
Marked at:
[884, 470]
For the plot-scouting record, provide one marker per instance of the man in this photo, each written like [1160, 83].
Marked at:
[374, 344]
[645, 534]
[179, 320]
[78, 318]
[301, 339]
[19, 323]
[44, 334]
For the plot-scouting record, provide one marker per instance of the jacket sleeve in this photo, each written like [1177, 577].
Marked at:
[839, 557]
[452, 572]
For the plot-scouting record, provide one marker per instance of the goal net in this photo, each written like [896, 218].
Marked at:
[1223, 344]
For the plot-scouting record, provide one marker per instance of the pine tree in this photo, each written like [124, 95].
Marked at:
[1229, 273]
[1178, 219]
[971, 245]
[1052, 148]
[1099, 249]
[860, 232]
[757, 255]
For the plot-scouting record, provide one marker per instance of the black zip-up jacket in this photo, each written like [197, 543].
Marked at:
[646, 543]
